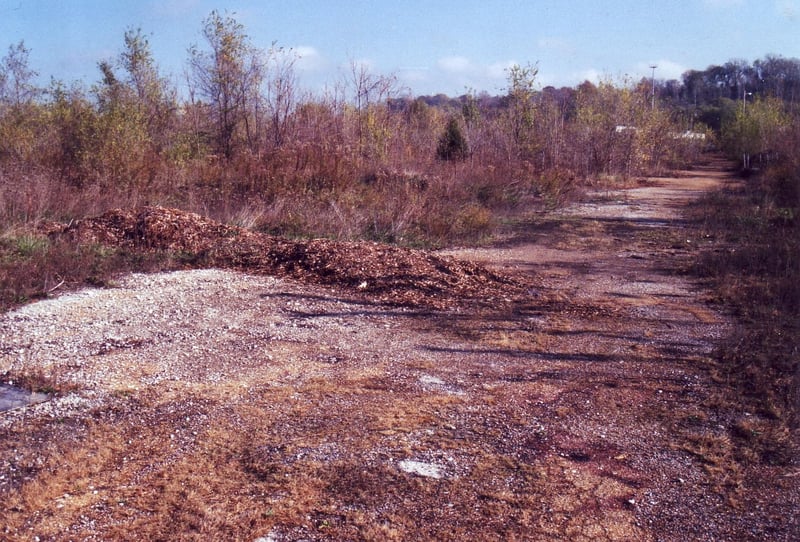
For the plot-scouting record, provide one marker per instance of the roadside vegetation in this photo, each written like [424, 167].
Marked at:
[367, 160]
[247, 146]
[755, 270]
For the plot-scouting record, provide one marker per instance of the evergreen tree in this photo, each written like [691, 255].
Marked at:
[452, 143]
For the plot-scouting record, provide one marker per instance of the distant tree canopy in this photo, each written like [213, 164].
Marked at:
[773, 76]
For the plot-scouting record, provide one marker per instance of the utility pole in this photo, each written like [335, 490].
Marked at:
[653, 78]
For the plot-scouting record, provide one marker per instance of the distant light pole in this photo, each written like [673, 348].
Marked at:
[746, 155]
[653, 78]
[745, 94]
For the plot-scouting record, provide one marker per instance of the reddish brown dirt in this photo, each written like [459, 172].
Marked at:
[559, 389]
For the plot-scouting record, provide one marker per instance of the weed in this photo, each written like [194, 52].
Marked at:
[474, 221]
[28, 245]
[46, 266]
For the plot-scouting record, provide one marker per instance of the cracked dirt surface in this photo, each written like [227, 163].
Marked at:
[215, 404]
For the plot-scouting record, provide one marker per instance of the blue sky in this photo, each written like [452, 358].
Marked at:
[431, 45]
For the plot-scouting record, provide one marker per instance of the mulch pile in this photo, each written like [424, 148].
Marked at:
[383, 273]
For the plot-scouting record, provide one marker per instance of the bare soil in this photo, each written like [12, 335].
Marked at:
[557, 386]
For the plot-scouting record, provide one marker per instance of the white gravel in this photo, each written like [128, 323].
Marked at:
[201, 326]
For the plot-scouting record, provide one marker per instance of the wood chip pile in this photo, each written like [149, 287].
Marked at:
[384, 273]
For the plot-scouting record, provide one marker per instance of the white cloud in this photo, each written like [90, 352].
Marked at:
[455, 64]
[459, 72]
[499, 70]
[592, 75]
[414, 74]
[367, 63]
[788, 8]
[665, 69]
[459, 65]
[306, 51]
[309, 58]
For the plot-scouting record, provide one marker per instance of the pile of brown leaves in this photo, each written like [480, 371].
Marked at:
[384, 273]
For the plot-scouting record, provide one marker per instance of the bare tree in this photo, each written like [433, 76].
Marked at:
[369, 91]
[281, 91]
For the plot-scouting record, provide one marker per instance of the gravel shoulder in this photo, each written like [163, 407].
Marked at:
[558, 386]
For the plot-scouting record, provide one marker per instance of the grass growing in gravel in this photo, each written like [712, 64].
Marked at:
[755, 269]
[33, 265]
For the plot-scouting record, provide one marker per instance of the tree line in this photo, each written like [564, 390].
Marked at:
[363, 158]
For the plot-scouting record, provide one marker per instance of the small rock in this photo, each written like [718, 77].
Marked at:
[431, 380]
[427, 470]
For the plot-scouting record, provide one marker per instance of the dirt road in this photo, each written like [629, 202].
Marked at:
[212, 404]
